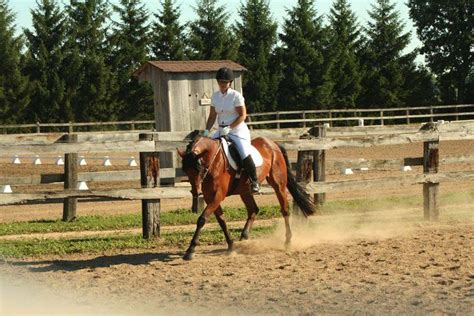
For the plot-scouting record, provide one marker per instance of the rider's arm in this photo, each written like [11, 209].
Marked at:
[212, 118]
[242, 116]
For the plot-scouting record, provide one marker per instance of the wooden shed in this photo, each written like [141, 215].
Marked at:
[182, 92]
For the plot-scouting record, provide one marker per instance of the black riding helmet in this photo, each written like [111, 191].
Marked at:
[225, 74]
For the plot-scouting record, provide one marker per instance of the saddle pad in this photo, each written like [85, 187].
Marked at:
[257, 158]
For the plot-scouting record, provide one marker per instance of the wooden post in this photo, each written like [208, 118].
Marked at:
[319, 164]
[38, 127]
[431, 112]
[408, 116]
[381, 118]
[303, 166]
[70, 180]
[278, 119]
[304, 118]
[149, 178]
[71, 128]
[430, 190]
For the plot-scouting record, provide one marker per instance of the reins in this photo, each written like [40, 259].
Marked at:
[212, 161]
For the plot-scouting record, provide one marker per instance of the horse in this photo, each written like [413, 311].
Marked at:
[208, 170]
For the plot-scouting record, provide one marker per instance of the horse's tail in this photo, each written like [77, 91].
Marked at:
[298, 193]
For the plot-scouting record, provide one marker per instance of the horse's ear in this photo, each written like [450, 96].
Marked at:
[180, 152]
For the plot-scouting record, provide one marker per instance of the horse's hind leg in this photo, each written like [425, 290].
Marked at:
[220, 219]
[252, 211]
[280, 190]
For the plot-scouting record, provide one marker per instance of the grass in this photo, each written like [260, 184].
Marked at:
[64, 246]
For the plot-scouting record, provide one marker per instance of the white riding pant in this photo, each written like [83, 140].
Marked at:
[240, 136]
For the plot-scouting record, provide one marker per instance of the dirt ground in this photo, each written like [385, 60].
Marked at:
[373, 262]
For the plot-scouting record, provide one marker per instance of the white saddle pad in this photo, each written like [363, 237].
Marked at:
[257, 158]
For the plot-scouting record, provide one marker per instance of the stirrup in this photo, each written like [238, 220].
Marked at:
[254, 187]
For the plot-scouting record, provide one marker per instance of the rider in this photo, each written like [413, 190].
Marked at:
[228, 107]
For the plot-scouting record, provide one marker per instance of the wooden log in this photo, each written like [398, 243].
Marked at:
[150, 178]
[303, 167]
[71, 162]
[319, 165]
[430, 189]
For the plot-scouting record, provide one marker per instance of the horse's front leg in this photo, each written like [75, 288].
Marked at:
[210, 208]
[252, 211]
[220, 219]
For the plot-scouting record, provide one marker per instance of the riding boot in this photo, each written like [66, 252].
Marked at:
[249, 167]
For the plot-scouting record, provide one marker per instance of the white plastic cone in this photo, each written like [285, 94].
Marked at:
[132, 162]
[37, 160]
[347, 171]
[107, 161]
[364, 169]
[82, 161]
[82, 186]
[6, 188]
[16, 160]
[406, 168]
[59, 161]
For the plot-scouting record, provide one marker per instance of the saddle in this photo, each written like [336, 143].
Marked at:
[233, 155]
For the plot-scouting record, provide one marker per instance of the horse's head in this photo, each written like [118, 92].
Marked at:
[194, 162]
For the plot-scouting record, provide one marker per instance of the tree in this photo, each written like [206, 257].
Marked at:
[209, 36]
[446, 30]
[95, 94]
[14, 95]
[304, 80]
[129, 42]
[45, 65]
[344, 70]
[383, 61]
[258, 35]
[168, 34]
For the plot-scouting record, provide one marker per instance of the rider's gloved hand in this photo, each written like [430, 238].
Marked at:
[225, 131]
[205, 133]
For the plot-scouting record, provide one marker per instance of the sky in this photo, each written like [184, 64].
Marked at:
[278, 8]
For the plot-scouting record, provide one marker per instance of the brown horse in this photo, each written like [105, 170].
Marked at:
[209, 173]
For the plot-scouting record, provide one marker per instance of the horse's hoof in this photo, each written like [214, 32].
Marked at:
[188, 256]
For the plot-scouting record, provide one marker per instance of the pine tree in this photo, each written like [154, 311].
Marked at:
[14, 95]
[168, 34]
[304, 82]
[383, 61]
[210, 37]
[344, 70]
[95, 97]
[129, 41]
[45, 65]
[258, 35]
[446, 30]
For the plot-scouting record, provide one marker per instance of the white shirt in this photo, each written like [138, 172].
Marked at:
[225, 104]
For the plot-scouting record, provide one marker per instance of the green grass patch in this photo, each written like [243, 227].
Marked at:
[64, 246]
[99, 223]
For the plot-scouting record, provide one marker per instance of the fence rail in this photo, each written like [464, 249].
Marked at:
[278, 119]
[314, 141]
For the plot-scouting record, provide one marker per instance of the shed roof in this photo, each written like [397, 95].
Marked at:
[191, 66]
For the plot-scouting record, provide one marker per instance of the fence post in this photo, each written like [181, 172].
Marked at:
[381, 118]
[249, 119]
[149, 178]
[278, 119]
[304, 118]
[133, 125]
[38, 127]
[408, 116]
[70, 127]
[431, 113]
[456, 110]
[330, 117]
[303, 166]
[319, 164]
[70, 180]
[430, 190]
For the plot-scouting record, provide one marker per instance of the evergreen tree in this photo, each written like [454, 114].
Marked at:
[129, 41]
[383, 60]
[13, 85]
[446, 30]
[344, 70]
[304, 79]
[258, 35]
[45, 65]
[210, 37]
[168, 34]
[95, 97]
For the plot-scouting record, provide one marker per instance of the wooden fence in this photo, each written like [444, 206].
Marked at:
[311, 145]
[280, 119]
